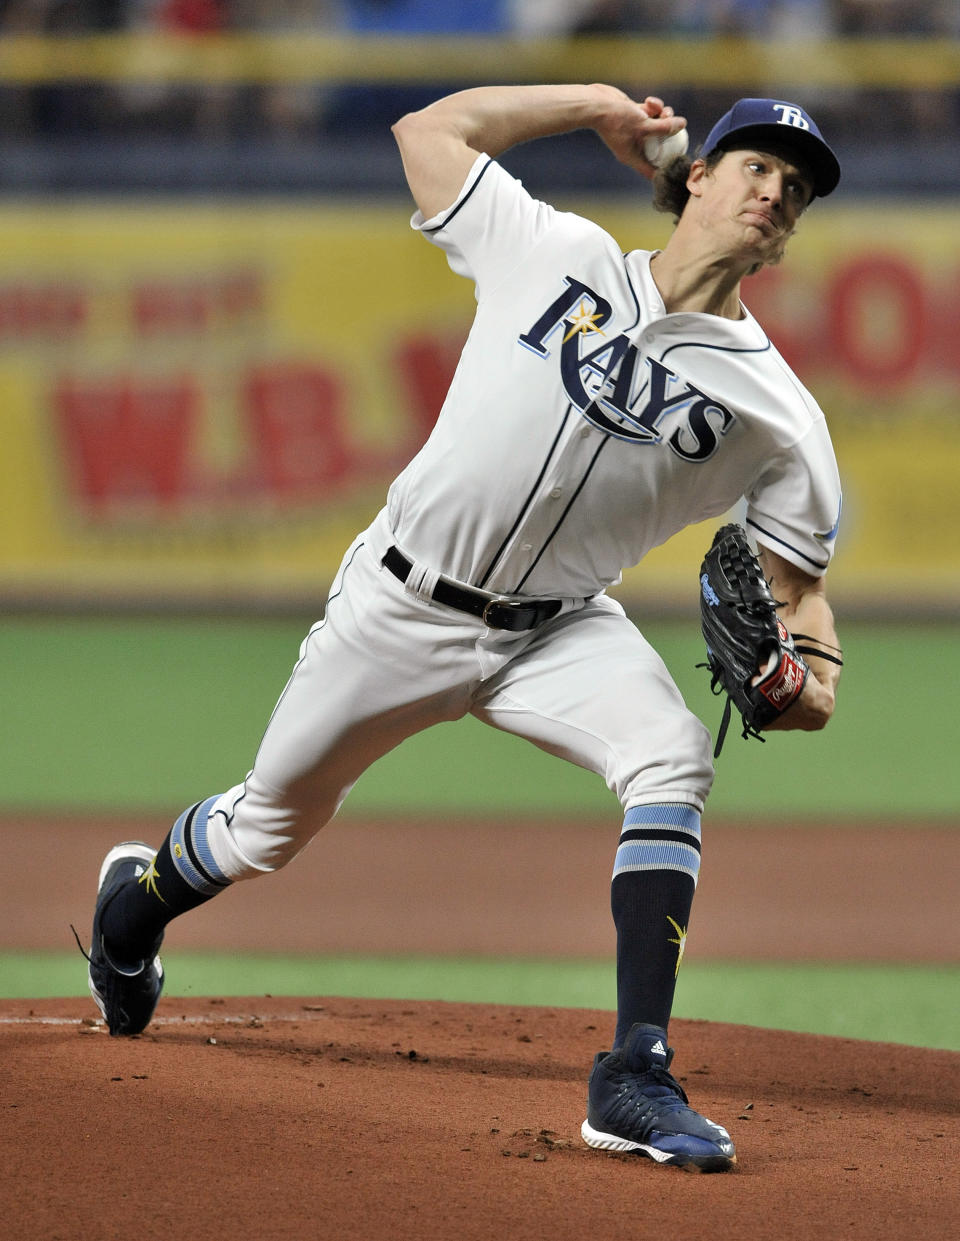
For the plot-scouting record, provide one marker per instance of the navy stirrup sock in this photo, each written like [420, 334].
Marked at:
[654, 879]
[182, 876]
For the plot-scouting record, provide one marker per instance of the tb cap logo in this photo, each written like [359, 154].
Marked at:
[792, 115]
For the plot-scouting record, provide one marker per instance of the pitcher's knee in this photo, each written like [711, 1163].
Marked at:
[252, 832]
[679, 768]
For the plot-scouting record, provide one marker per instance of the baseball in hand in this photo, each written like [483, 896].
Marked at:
[661, 151]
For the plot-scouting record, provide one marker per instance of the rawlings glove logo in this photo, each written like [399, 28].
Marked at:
[783, 685]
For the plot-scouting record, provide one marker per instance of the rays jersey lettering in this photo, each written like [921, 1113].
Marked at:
[617, 389]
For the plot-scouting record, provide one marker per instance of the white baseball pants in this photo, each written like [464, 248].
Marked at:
[384, 664]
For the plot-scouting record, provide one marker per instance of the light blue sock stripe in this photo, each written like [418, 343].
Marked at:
[656, 855]
[670, 814]
[201, 844]
[198, 880]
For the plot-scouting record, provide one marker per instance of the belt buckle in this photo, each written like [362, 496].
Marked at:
[510, 605]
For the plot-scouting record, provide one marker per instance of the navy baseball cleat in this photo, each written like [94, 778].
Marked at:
[635, 1104]
[126, 994]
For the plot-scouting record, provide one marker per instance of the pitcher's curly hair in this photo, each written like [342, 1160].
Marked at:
[670, 193]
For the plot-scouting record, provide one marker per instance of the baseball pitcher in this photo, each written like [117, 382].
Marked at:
[603, 401]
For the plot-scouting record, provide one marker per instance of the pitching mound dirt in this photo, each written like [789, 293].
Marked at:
[341, 1119]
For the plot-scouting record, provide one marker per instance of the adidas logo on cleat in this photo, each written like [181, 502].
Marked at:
[658, 1048]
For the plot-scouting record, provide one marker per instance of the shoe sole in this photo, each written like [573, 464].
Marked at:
[610, 1142]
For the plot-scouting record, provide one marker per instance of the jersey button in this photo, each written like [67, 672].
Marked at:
[526, 547]
[584, 433]
[556, 493]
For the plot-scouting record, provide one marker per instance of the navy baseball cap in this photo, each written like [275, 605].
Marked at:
[752, 121]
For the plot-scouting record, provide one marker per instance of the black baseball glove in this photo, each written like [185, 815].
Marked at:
[751, 655]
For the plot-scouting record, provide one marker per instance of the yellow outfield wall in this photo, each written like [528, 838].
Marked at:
[205, 402]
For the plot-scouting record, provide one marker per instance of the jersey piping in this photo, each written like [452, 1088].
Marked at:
[462, 203]
[767, 534]
[319, 625]
[525, 507]
[563, 515]
[633, 293]
[690, 344]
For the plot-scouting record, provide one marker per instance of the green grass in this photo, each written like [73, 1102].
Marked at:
[129, 714]
[914, 1005]
[147, 714]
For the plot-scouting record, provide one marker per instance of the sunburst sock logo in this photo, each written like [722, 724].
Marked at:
[680, 941]
[149, 880]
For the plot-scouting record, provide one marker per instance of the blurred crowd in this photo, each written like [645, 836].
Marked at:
[295, 113]
[527, 18]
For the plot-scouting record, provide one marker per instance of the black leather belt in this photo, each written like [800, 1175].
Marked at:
[496, 611]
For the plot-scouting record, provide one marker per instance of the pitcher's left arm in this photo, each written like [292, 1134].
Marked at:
[807, 614]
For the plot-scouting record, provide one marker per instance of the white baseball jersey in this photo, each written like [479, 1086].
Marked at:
[586, 425]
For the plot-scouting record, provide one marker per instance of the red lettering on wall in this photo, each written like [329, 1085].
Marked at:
[425, 366]
[54, 310]
[878, 319]
[945, 327]
[296, 415]
[170, 308]
[240, 293]
[771, 296]
[127, 440]
[185, 306]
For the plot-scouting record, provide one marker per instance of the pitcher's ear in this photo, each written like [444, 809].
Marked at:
[698, 170]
